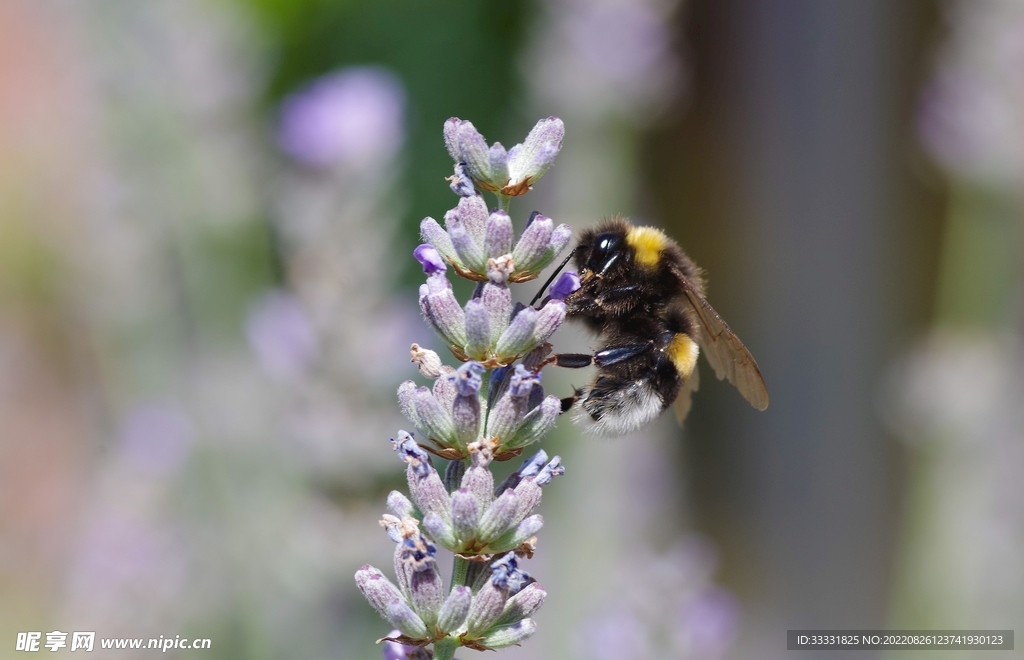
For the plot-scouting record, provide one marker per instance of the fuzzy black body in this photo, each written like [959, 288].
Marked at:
[644, 298]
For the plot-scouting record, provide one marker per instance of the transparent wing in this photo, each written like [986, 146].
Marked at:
[725, 352]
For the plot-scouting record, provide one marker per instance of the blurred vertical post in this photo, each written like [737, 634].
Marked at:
[784, 181]
[956, 396]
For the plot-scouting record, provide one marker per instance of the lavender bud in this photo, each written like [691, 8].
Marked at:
[548, 320]
[510, 635]
[466, 407]
[444, 313]
[529, 493]
[470, 252]
[533, 244]
[478, 330]
[497, 301]
[485, 609]
[428, 492]
[566, 283]
[534, 359]
[466, 145]
[440, 530]
[499, 164]
[514, 537]
[401, 616]
[499, 517]
[518, 337]
[434, 420]
[522, 605]
[433, 233]
[377, 589]
[407, 401]
[430, 259]
[510, 410]
[480, 482]
[427, 593]
[560, 237]
[529, 161]
[460, 182]
[403, 571]
[444, 390]
[529, 468]
[400, 505]
[455, 609]
[498, 234]
[466, 417]
[428, 362]
[465, 515]
[537, 423]
[453, 475]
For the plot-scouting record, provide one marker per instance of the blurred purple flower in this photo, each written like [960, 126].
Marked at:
[621, 41]
[351, 117]
[155, 438]
[281, 336]
[122, 553]
[615, 636]
[708, 623]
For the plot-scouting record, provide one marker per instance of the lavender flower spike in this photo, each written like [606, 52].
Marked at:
[488, 409]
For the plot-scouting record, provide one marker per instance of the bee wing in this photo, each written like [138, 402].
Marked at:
[681, 406]
[725, 352]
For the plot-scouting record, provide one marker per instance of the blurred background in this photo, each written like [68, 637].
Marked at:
[207, 209]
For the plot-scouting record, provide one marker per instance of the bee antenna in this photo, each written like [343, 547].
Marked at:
[553, 276]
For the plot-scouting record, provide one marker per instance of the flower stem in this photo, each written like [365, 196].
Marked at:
[504, 201]
[460, 567]
[444, 649]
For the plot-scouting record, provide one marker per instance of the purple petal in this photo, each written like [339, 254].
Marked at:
[430, 258]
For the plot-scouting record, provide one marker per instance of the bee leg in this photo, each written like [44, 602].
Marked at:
[569, 401]
[618, 293]
[616, 354]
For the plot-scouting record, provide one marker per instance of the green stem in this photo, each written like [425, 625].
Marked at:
[504, 201]
[444, 649]
[459, 568]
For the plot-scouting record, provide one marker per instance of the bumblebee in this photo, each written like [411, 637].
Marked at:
[644, 298]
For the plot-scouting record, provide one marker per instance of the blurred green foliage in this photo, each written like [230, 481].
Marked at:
[455, 58]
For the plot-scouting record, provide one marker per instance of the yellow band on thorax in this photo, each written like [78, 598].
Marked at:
[647, 244]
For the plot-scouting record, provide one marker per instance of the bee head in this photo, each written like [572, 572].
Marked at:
[607, 249]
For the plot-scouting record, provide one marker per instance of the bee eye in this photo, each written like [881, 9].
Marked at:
[606, 249]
